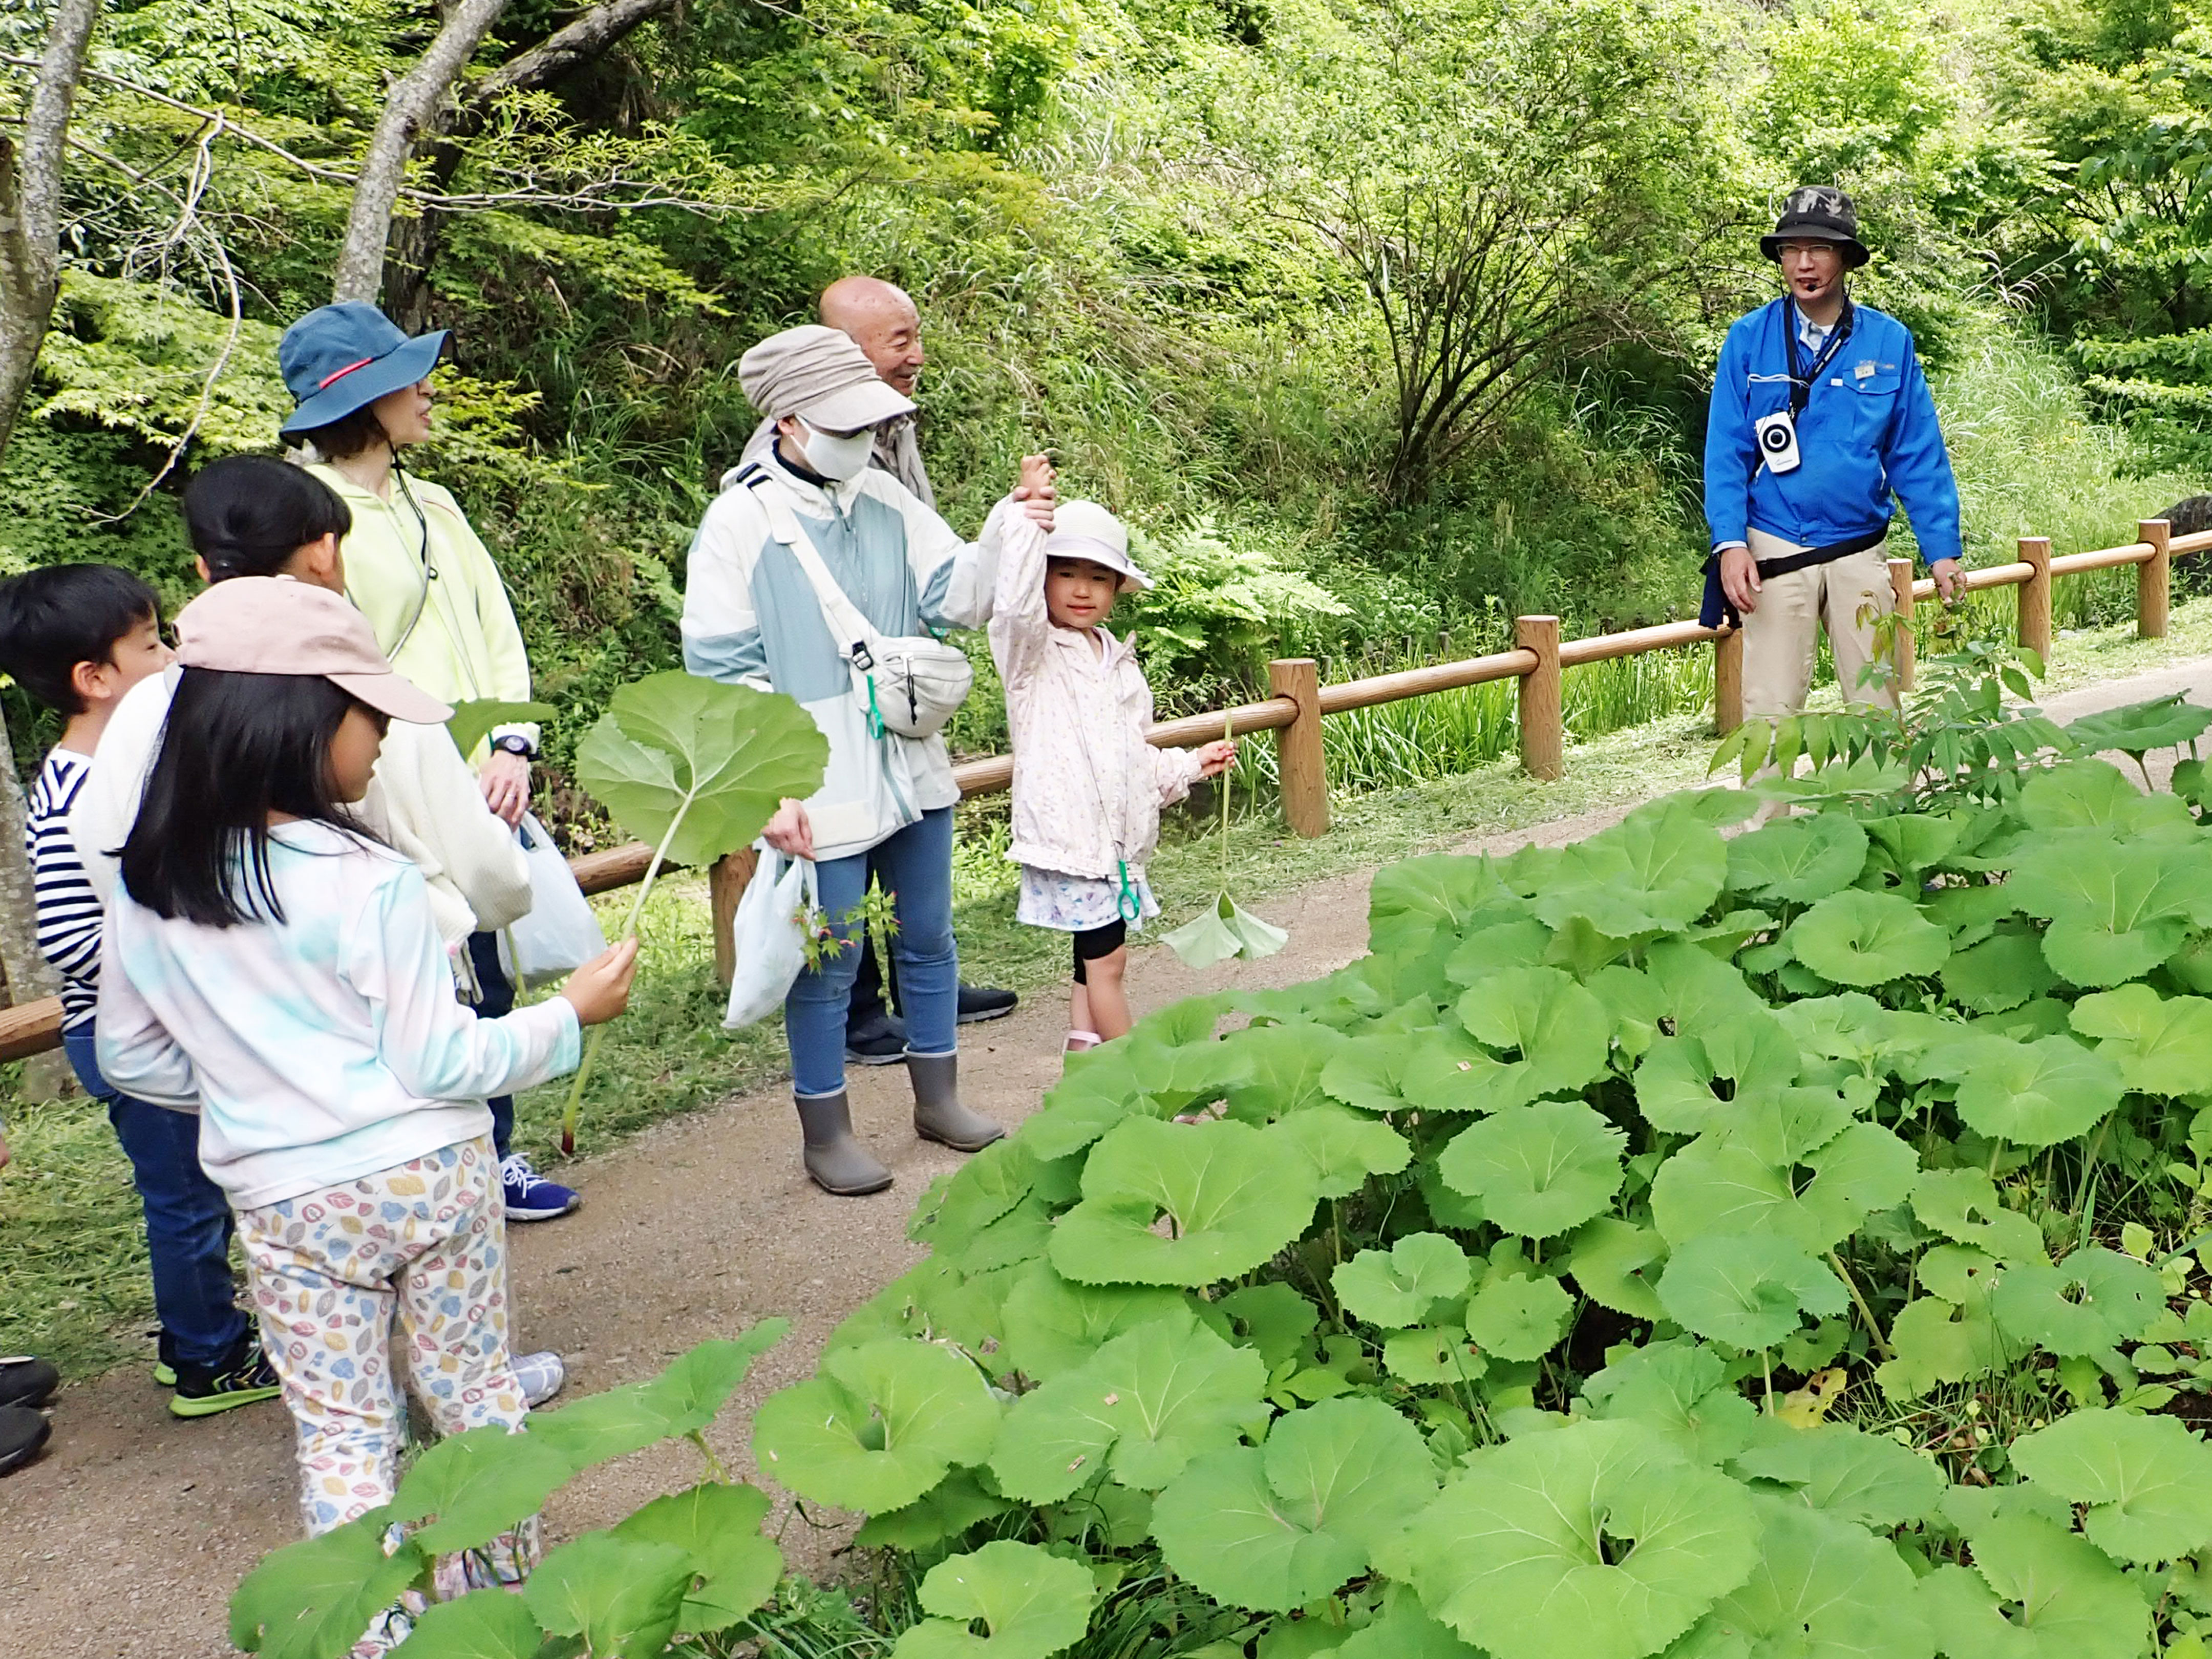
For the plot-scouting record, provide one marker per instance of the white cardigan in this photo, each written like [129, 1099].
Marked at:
[1088, 788]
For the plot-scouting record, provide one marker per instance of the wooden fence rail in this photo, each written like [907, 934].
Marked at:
[1300, 702]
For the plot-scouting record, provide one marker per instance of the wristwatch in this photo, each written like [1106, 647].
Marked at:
[515, 743]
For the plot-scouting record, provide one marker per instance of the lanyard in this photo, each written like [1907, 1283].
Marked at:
[1800, 385]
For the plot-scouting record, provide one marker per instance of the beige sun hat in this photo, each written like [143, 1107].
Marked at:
[1084, 530]
[818, 375]
[278, 625]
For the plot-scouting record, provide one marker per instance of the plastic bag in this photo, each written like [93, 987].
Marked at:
[770, 946]
[561, 931]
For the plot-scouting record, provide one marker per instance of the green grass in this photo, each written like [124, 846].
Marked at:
[76, 1289]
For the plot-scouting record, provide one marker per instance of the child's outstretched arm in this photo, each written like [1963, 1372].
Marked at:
[1020, 627]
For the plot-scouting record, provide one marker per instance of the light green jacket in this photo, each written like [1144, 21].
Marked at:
[429, 588]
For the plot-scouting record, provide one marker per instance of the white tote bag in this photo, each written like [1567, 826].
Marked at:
[770, 948]
[561, 931]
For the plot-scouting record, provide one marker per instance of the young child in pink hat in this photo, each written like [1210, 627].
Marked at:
[271, 964]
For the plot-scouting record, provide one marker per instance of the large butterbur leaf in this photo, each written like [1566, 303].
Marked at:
[1183, 1203]
[621, 1595]
[1401, 1287]
[878, 1426]
[1597, 1540]
[486, 1624]
[1274, 1526]
[2147, 1481]
[719, 1525]
[1750, 1181]
[1680, 1389]
[1342, 1148]
[1222, 932]
[1858, 938]
[1747, 1290]
[1541, 1170]
[712, 760]
[2033, 1094]
[1798, 859]
[313, 1599]
[1843, 1472]
[1691, 1082]
[1823, 1589]
[2162, 1045]
[1518, 1318]
[683, 1399]
[1659, 869]
[2116, 909]
[1549, 1032]
[1031, 1604]
[1055, 1324]
[2094, 1299]
[1141, 1409]
[2035, 1591]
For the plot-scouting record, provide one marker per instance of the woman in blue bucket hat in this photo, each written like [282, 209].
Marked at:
[428, 587]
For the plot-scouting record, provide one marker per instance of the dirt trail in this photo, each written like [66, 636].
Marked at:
[127, 1538]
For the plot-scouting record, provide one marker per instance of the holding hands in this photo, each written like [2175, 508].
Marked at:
[1036, 489]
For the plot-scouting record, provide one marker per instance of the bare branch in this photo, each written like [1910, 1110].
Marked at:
[407, 112]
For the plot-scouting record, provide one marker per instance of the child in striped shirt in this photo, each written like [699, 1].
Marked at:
[76, 637]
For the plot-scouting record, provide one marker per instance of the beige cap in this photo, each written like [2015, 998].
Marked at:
[818, 375]
[1084, 530]
[279, 625]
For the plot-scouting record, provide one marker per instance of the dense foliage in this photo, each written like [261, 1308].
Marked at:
[1678, 1241]
[1386, 320]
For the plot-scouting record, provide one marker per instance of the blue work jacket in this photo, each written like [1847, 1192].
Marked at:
[1867, 431]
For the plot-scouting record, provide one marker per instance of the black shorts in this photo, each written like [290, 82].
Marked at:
[1098, 942]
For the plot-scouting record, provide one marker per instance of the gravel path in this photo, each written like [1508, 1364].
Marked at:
[128, 1536]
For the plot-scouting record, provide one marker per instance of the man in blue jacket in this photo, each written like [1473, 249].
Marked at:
[1819, 414]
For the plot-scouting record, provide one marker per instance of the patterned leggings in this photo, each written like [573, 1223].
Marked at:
[425, 1243]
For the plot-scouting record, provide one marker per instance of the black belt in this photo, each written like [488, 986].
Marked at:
[1716, 609]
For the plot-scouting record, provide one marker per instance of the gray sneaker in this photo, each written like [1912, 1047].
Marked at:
[541, 1376]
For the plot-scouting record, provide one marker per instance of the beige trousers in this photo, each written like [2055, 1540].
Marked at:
[1782, 637]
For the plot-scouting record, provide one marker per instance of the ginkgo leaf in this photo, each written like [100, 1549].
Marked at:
[1516, 1318]
[1232, 1196]
[1274, 1526]
[2085, 1304]
[1798, 859]
[1680, 1389]
[1822, 1590]
[1539, 1171]
[2035, 1591]
[878, 1426]
[1142, 1406]
[1596, 1540]
[1055, 1324]
[1031, 1602]
[1858, 938]
[2163, 1045]
[1748, 1291]
[2147, 1480]
[1401, 1287]
[1834, 1468]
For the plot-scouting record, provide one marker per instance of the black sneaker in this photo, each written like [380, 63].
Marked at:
[27, 1382]
[981, 1002]
[22, 1431]
[878, 1041]
[244, 1376]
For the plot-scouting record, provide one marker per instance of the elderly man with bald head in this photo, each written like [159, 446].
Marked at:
[883, 320]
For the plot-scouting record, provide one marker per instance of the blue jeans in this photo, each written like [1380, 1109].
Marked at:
[914, 866]
[188, 1224]
[495, 1001]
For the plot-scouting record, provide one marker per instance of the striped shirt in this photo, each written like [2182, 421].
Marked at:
[69, 908]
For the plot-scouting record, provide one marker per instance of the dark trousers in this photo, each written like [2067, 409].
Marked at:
[188, 1224]
[495, 998]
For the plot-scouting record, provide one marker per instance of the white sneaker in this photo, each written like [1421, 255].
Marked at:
[541, 1375]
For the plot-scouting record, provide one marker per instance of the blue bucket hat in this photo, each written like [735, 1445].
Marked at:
[342, 357]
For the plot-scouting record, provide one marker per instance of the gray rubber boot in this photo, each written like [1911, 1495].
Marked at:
[836, 1160]
[937, 1114]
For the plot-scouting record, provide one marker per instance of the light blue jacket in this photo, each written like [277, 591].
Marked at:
[1868, 431]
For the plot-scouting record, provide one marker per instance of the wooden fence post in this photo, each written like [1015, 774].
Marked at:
[2154, 580]
[1900, 591]
[725, 884]
[2035, 596]
[1543, 730]
[1297, 746]
[1728, 682]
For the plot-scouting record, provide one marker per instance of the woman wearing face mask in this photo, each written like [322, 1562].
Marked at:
[805, 548]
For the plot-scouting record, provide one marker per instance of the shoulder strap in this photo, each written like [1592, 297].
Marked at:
[853, 631]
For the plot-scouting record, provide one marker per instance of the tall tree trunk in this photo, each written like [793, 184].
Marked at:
[414, 242]
[408, 111]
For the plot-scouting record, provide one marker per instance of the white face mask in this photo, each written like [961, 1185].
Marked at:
[839, 456]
